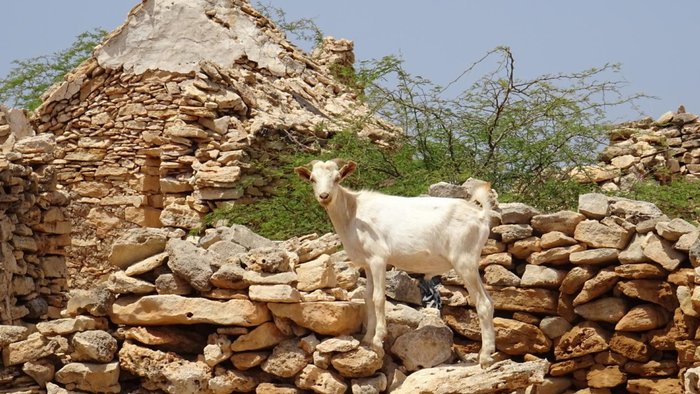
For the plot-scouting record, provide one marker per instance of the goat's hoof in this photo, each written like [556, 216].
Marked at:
[486, 360]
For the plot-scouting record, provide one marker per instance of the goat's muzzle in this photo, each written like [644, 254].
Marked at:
[324, 198]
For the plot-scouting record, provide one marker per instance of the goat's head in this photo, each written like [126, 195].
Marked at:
[325, 176]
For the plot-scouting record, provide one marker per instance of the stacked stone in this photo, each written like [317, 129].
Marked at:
[33, 227]
[666, 148]
[608, 294]
[227, 313]
[166, 140]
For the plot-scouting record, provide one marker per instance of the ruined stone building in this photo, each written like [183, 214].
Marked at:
[181, 110]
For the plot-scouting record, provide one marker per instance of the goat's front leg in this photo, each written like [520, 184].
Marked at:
[371, 319]
[378, 273]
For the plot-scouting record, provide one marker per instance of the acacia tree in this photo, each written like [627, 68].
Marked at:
[30, 78]
[517, 133]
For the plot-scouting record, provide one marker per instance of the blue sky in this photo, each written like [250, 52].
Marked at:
[656, 42]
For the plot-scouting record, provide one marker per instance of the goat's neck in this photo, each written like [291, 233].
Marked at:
[342, 210]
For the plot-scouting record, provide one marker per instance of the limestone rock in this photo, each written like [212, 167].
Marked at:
[172, 284]
[640, 271]
[267, 260]
[94, 378]
[42, 371]
[555, 239]
[512, 232]
[167, 338]
[673, 230]
[599, 235]
[576, 278]
[596, 286]
[524, 247]
[227, 381]
[654, 386]
[643, 318]
[247, 360]
[325, 318]
[286, 360]
[594, 256]
[630, 346]
[401, 287]
[373, 385]
[633, 211]
[554, 326]
[655, 291]
[517, 213]
[517, 338]
[607, 309]
[70, 325]
[165, 371]
[93, 345]
[543, 277]
[136, 245]
[181, 216]
[320, 381]
[229, 276]
[357, 363]
[190, 263]
[264, 336]
[661, 251]
[554, 256]
[173, 309]
[600, 376]
[10, 334]
[497, 275]
[524, 300]
[504, 376]
[146, 265]
[634, 253]
[562, 221]
[36, 346]
[316, 274]
[584, 338]
[593, 205]
[343, 343]
[425, 347]
[120, 283]
[274, 293]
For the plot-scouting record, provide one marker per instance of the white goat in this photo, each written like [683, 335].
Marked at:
[428, 235]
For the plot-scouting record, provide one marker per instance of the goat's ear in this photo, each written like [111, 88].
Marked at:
[347, 169]
[303, 173]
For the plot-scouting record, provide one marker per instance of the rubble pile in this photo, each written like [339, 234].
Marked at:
[600, 300]
[34, 229]
[661, 149]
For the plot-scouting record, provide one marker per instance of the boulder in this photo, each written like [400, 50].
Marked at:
[325, 318]
[190, 263]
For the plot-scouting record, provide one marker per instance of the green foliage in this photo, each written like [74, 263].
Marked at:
[679, 198]
[303, 30]
[30, 78]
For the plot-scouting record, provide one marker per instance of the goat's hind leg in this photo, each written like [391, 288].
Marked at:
[469, 271]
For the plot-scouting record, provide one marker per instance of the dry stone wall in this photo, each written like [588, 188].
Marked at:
[600, 300]
[150, 138]
[34, 229]
[661, 149]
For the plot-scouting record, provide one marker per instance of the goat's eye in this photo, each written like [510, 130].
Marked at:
[336, 178]
[312, 180]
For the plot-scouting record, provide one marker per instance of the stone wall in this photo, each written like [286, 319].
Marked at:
[601, 300]
[34, 230]
[150, 138]
[661, 149]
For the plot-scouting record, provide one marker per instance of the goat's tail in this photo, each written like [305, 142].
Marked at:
[482, 195]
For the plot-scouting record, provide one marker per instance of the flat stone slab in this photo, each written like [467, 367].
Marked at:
[173, 309]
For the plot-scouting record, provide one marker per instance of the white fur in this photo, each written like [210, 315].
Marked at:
[427, 235]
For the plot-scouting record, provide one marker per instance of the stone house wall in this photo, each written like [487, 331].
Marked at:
[34, 228]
